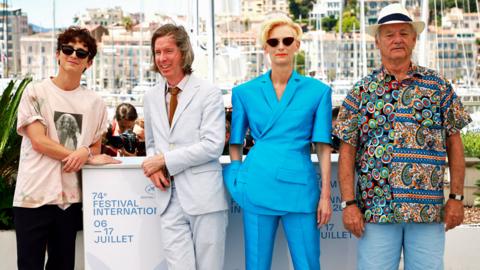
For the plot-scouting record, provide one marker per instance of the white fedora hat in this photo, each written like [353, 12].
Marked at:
[394, 13]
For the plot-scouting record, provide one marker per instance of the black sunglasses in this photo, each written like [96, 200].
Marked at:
[68, 50]
[273, 42]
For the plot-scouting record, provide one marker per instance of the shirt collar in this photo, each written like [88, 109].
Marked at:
[412, 71]
[181, 85]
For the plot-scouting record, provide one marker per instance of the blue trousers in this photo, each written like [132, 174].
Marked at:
[381, 246]
[301, 233]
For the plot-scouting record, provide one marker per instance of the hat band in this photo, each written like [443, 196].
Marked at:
[394, 17]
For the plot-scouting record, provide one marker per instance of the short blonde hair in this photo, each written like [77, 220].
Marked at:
[269, 25]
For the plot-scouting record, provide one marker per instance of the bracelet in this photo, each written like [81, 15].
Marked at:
[89, 151]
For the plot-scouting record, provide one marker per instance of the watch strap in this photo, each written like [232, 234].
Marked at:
[457, 197]
[347, 203]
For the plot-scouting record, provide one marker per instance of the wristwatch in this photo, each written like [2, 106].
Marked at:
[455, 197]
[344, 204]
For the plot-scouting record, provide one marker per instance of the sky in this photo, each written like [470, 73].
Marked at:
[40, 12]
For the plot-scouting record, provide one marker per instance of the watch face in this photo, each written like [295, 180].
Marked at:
[344, 204]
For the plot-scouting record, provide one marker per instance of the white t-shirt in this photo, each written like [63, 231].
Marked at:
[74, 119]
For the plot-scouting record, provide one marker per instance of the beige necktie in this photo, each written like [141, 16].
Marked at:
[173, 103]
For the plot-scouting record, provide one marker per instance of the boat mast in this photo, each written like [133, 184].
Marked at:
[362, 33]
[355, 56]
[320, 36]
[422, 56]
[141, 79]
[339, 44]
[462, 36]
[211, 41]
[53, 40]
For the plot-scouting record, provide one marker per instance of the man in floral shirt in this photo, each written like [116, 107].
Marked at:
[396, 127]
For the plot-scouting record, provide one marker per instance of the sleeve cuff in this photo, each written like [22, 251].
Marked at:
[323, 140]
[22, 124]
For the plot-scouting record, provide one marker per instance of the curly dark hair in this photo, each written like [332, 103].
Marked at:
[77, 34]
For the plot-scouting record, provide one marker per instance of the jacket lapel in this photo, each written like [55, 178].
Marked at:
[287, 96]
[191, 88]
[163, 106]
[268, 92]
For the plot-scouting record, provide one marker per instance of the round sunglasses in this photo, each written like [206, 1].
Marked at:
[68, 50]
[287, 41]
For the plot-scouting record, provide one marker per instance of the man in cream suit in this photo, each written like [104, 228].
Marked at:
[185, 135]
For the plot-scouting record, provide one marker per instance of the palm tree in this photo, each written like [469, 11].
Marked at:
[127, 22]
[9, 148]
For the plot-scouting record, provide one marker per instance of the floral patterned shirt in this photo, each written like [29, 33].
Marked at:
[400, 129]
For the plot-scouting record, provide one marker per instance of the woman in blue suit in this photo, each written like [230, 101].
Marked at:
[277, 181]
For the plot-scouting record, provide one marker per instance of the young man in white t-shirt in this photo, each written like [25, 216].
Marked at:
[62, 124]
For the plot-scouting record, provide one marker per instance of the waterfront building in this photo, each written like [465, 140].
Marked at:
[13, 26]
[98, 16]
[255, 10]
[326, 8]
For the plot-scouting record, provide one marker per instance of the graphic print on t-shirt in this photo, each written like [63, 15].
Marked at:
[69, 128]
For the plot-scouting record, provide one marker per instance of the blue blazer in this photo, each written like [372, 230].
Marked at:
[278, 174]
